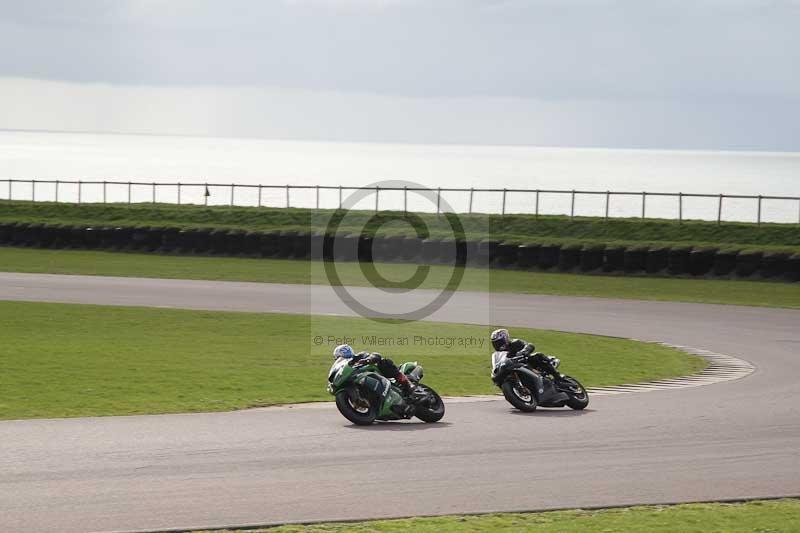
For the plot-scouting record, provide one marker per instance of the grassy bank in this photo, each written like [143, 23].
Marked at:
[290, 271]
[774, 516]
[514, 228]
[63, 360]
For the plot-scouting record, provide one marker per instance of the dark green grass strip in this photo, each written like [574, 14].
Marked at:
[767, 294]
[516, 228]
[62, 360]
[767, 516]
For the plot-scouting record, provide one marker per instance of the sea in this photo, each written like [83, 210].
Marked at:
[42, 156]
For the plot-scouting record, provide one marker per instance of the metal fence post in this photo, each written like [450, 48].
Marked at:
[317, 198]
[129, 192]
[758, 217]
[154, 192]
[536, 210]
[405, 199]
[232, 192]
[79, 191]
[9, 189]
[104, 191]
[33, 191]
[438, 199]
[503, 212]
[680, 208]
[608, 201]
[205, 196]
[56, 191]
[340, 196]
[471, 193]
[179, 193]
[719, 210]
[287, 195]
[572, 205]
[259, 195]
[644, 203]
[377, 196]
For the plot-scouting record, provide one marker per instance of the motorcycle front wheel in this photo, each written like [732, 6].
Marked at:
[519, 395]
[355, 408]
[433, 408]
[578, 397]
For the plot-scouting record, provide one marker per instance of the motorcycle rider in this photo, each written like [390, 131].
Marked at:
[502, 342]
[386, 366]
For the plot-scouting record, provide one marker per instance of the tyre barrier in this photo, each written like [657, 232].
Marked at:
[252, 244]
[394, 247]
[301, 245]
[793, 268]
[724, 263]
[506, 255]
[528, 255]
[430, 250]
[614, 259]
[548, 256]
[235, 240]
[486, 252]
[269, 244]
[285, 248]
[449, 250]
[169, 240]
[410, 249]
[592, 258]
[218, 242]
[748, 263]
[678, 261]
[365, 249]
[657, 260]
[19, 235]
[701, 261]
[634, 259]
[569, 258]
[91, 238]
[471, 249]
[387, 248]
[53, 236]
[5, 233]
[774, 265]
[62, 236]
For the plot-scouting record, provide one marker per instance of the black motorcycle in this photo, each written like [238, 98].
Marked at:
[531, 380]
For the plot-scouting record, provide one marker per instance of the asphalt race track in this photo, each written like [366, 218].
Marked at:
[730, 440]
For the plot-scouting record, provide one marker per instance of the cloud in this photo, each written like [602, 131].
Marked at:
[447, 48]
[343, 116]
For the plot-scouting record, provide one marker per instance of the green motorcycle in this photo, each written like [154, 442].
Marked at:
[363, 395]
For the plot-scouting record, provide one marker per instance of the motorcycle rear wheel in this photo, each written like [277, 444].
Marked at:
[434, 411]
[356, 412]
[523, 400]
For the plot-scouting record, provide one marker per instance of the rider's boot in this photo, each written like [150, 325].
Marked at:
[405, 384]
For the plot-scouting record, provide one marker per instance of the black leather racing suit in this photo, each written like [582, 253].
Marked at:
[385, 365]
[539, 360]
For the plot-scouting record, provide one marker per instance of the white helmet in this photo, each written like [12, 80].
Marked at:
[343, 350]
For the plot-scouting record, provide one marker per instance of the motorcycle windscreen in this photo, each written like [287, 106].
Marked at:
[335, 368]
[497, 359]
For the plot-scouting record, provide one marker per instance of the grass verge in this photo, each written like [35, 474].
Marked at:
[767, 294]
[62, 360]
[773, 516]
[512, 228]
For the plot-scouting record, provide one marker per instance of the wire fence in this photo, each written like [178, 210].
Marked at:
[573, 203]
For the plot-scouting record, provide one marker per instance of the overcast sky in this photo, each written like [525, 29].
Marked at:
[693, 74]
